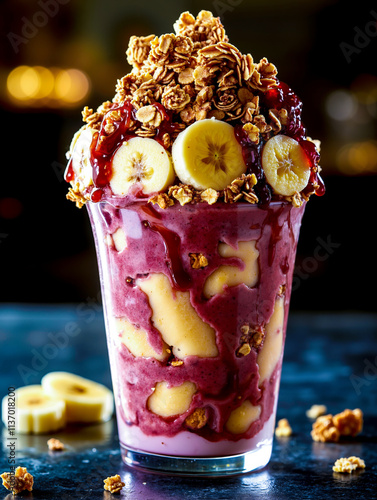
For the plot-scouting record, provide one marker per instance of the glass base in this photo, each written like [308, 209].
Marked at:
[203, 466]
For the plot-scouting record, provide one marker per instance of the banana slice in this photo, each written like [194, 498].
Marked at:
[86, 401]
[207, 155]
[36, 412]
[141, 160]
[80, 154]
[286, 165]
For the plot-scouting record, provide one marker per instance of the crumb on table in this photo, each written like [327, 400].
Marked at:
[19, 481]
[113, 484]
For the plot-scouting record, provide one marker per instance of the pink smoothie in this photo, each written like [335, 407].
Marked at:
[160, 241]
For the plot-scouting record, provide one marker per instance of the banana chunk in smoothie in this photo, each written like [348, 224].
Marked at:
[273, 342]
[136, 341]
[233, 275]
[242, 417]
[168, 401]
[176, 319]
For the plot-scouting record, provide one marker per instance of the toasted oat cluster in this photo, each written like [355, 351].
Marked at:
[187, 76]
[283, 428]
[250, 338]
[55, 445]
[316, 411]
[198, 260]
[19, 481]
[197, 419]
[348, 465]
[349, 422]
[113, 484]
[194, 73]
[329, 428]
[324, 429]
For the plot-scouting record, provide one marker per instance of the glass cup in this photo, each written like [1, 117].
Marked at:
[196, 302]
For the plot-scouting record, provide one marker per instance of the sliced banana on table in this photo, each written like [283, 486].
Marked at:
[86, 401]
[207, 155]
[35, 411]
[141, 160]
[286, 165]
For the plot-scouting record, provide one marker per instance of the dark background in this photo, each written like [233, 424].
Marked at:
[324, 50]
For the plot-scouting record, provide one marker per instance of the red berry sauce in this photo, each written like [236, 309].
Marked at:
[280, 97]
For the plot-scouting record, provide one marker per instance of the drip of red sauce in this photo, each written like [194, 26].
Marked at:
[101, 153]
[96, 195]
[172, 242]
[69, 174]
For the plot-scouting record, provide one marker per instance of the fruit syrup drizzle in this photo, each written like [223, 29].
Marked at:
[277, 98]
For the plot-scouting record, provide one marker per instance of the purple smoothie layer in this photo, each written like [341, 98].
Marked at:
[160, 241]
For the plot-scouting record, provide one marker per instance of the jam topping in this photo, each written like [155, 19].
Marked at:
[104, 146]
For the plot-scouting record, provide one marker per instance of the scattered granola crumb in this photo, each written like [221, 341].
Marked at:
[55, 445]
[113, 484]
[244, 350]
[330, 428]
[162, 200]
[324, 430]
[283, 428]
[198, 260]
[19, 481]
[348, 465]
[76, 197]
[177, 363]
[316, 411]
[209, 195]
[197, 419]
[251, 336]
[349, 422]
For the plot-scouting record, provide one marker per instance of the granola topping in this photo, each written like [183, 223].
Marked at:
[19, 481]
[186, 76]
[113, 484]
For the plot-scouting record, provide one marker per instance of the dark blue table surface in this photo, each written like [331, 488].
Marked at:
[329, 359]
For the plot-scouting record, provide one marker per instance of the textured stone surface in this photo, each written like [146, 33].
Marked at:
[329, 359]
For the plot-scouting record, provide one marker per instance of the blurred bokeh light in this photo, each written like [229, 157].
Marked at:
[47, 87]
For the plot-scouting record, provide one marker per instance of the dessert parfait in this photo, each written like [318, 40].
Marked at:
[195, 177]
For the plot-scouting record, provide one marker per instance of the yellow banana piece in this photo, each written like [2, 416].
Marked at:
[86, 401]
[286, 165]
[141, 160]
[207, 155]
[36, 412]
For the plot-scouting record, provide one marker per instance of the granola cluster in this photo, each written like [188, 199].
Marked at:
[316, 411]
[55, 445]
[251, 338]
[19, 481]
[283, 428]
[329, 428]
[348, 465]
[180, 78]
[197, 419]
[113, 484]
